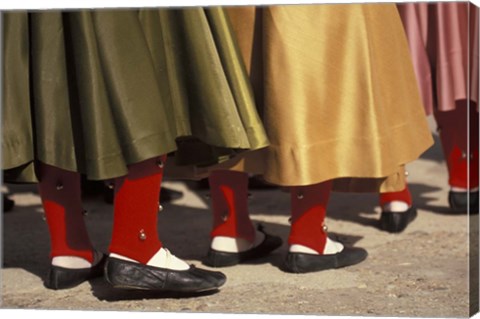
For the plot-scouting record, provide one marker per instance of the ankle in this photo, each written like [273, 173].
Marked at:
[396, 201]
[136, 250]
[234, 228]
[236, 245]
[396, 206]
[296, 248]
[122, 257]
[462, 190]
[331, 247]
[77, 262]
[72, 262]
[161, 259]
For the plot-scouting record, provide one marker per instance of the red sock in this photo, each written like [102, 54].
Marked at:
[61, 199]
[229, 193]
[474, 166]
[309, 205]
[457, 167]
[135, 233]
[474, 140]
[462, 167]
[403, 196]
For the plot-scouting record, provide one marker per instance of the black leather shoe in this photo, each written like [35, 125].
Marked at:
[394, 222]
[303, 263]
[130, 275]
[63, 278]
[217, 258]
[459, 202]
[167, 195]
[7, 203]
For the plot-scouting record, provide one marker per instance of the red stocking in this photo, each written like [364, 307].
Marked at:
[229, 192]
[403, 196]
[455, 136]
[309, 204]
[61, 199]
[136, 203]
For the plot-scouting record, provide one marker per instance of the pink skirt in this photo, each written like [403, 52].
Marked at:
[443, 40]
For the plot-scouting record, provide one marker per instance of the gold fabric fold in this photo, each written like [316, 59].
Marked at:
[337, 94]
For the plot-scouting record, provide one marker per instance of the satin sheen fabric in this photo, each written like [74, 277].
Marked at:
[337, 95]
[93, 91]
[443, 39]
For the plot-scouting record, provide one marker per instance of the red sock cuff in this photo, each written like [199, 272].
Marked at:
[66, 239]
[461, 174]
[403, 196]
[309, 204]
[460, 145]
[229, 194]
[474, 167]
[135, 233]
[61, 199]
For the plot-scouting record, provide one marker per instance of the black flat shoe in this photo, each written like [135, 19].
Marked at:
[397, 222]
[304, 263]
[167, 195]
[7, 203]
[63, 278]
[458, 202]
[217, 258]
[130, 275]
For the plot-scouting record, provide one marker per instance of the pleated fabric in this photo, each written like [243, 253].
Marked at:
[443, 39]
[337, 94]
[93, 91]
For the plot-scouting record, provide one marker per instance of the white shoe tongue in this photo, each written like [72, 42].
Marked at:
[395, 206]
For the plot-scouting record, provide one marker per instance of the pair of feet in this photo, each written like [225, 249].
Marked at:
[163, 273]
[225, 251]
[166, 273]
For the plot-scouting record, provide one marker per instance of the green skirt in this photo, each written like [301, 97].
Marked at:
[93, 91]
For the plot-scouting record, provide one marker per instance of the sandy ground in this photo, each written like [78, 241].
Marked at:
[423, 271]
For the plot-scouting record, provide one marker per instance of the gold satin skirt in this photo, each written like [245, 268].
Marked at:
[336, 91]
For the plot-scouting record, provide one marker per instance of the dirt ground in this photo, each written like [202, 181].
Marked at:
[422, 272]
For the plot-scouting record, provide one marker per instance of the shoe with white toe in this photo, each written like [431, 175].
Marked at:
[69, 271]
[173, 274]
[225, 252]
[301, 259]
[396, 216]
